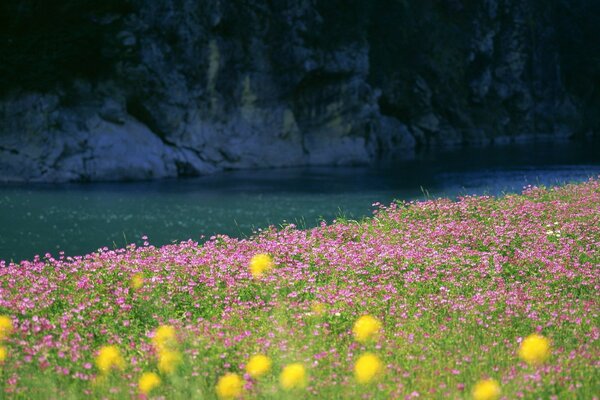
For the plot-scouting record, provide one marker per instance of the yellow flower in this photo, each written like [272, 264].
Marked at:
[229, 386]
[109, 358]
[367, 367]
[318, 308]
[168, 361]
[165, 338]
[3, 354]
[486, 389]
[148, 382]
[293, 376]
[137, 281]
[258, 365]
[535, 349]
[6, 327]
[259, 264]
[366, 328]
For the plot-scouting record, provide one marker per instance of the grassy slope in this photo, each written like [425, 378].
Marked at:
[456, 284]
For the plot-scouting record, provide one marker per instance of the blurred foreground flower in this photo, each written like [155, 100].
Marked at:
[229, 386]
[168, 361]
[535, 349]
[165, 338]
[259, 264]
[318, 308]
[137, 281]
[148, 382]
[3, 354]
[293, 376]
[366, 328]
[6, 327]
[367, 368]
[258, 365]
[486, 389]
[109, 358]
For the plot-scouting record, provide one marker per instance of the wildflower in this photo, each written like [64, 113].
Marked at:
[148, 382]
[366, 328]
[109, 358]
[367, 367]
[229, 386]
[168, 361]
[486, 389]
[259, 264]
[164, 338]
[293, 376]
[258, 365]
[535, 349]
[3, 354]
[6, 327]
[137, 281]
[318, 308]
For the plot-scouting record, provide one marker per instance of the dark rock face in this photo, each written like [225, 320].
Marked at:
[480, 72]
[197, 86]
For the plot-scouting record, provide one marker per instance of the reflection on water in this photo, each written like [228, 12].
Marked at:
[79, 218]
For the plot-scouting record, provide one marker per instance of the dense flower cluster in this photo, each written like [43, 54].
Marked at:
[435, 299]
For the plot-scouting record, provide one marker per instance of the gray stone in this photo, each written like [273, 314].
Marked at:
[394, 136]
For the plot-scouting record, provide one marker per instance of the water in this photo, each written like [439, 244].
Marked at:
[80, 218]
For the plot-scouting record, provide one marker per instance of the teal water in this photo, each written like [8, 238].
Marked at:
[80, 218]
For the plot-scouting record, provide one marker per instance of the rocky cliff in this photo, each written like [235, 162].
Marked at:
[183, 87]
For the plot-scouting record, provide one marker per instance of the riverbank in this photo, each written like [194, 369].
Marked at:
[80, 218]
[456, 287]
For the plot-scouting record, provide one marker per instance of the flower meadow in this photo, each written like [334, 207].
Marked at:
[482, 298]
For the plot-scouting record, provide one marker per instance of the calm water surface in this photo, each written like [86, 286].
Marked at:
[80, 218]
